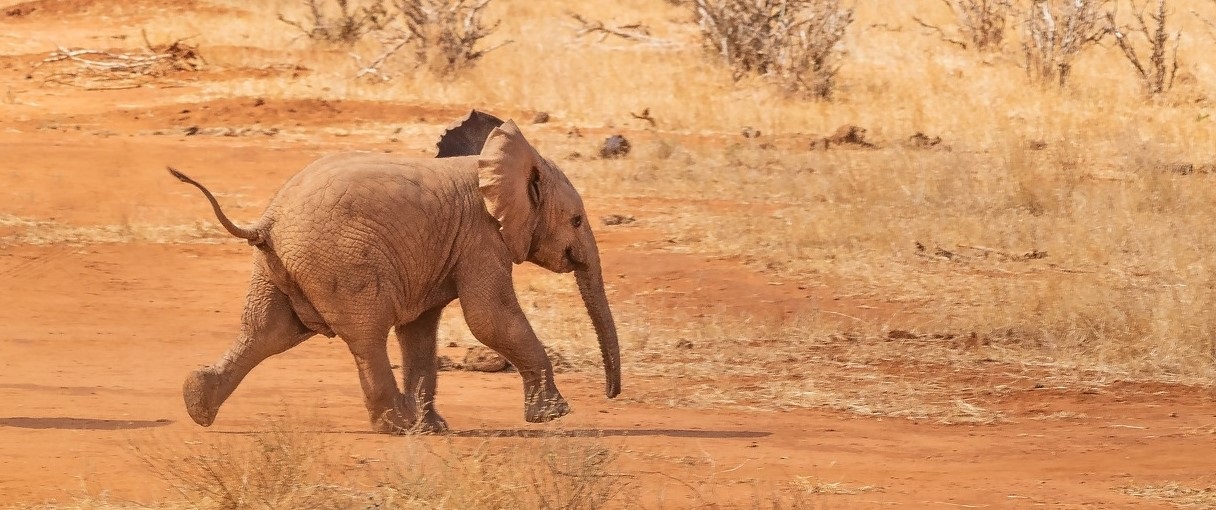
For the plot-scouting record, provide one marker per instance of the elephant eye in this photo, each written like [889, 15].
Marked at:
[577, 221]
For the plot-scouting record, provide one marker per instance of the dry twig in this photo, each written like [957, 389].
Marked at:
[633, 31]
[645, 115]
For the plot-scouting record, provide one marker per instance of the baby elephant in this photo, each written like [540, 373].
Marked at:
[357, 244]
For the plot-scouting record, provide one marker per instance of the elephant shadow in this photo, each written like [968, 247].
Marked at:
[69, 423]
[638, 432]
[545, 433]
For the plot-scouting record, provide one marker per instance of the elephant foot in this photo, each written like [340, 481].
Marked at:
[391, 421]
[431, 423]
[543, 410]
[197, 391]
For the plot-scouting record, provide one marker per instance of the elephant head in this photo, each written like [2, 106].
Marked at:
[540, 215]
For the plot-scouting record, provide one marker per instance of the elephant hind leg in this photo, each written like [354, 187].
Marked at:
[268, 327]
[419, 368]
[385, 405]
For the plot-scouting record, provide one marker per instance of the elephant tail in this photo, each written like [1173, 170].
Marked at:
[254, 236]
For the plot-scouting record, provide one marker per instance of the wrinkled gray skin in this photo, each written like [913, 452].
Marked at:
[357, 244]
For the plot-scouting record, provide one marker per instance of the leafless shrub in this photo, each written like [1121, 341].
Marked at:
[447, 33]
[443, 34]
[340, 21]
[1157, 74]
[1056, 31]
[981, 23]
[794, 42]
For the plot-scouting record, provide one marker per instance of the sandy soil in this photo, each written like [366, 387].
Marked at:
[99, 335]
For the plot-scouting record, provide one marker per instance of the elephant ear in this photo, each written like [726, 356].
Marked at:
[510, 185]
[466, 136]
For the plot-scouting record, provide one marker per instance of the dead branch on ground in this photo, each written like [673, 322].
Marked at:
[633, 31]
[134, 68]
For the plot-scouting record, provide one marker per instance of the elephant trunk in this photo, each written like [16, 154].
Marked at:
[591, 286]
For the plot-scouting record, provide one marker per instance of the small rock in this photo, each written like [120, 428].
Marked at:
[617, 219]
[1036, 145]
[540, 118]
[192, 130]
[259, 102]
[574, 133]
[615, 146]
[750, 132]
[453, 344]
[484, 359]
[684, 344]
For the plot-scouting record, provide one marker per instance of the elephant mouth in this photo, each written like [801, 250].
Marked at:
[574, 261]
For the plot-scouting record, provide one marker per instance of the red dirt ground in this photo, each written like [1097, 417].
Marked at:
[98, 337]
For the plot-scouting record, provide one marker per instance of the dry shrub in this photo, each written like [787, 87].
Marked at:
[340, 21]
[981, 23]
[1056, 32]
[447, 33]
[1157, 74]
[794, 42]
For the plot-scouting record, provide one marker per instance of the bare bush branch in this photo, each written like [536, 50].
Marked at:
[1056, 31]
[981, 23]
[794, 42]
[1156, 75]
[341, 22]
[447, 33]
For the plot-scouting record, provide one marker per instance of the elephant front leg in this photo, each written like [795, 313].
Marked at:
[419, 369]
[495, 318]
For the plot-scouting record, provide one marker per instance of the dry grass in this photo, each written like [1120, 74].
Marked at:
[1179, 495]
[294, 466]
[17, 230]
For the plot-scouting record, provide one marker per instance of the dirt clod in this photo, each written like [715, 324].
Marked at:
[925, 142]
[846, 136]
[615, 146]
[540, 118]
[484, 359]
[617, 219]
